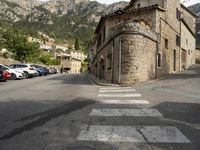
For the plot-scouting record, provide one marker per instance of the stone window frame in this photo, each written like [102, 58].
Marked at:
[109, 62]
[99, 41]
[159, 60]
[104, 33]
[174, 60]
[178, 40]
[166, 43]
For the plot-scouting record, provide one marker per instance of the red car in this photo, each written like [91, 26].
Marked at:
[4, 75]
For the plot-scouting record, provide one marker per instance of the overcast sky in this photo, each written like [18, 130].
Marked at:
[187, 3]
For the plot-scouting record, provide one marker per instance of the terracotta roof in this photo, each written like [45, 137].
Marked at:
[125, 11]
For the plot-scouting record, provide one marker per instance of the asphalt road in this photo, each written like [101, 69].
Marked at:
[67, 112]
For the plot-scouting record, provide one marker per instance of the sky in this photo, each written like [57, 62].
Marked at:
[187, 2]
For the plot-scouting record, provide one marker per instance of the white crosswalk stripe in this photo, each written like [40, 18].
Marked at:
[116, 91]
[126, 112]
[143, 134]
[115, 88]
[132, 134]
[120, 95]
[124, 101]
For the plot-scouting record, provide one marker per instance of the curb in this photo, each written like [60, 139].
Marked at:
[93, 81]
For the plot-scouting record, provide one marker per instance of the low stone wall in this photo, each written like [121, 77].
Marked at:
[5, 61]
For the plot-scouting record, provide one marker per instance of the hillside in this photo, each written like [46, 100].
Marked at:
[61, 19]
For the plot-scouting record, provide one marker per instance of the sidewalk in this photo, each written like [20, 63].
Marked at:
[99, 82]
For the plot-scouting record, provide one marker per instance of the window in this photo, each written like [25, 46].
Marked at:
[139, 5]
[174, 67]
[178, 40]
[159, 60]
[178, 14]
[109, 61]
[166, 43]
[99, 41]
[104, 33]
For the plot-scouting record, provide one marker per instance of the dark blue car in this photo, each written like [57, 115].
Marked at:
[41, 70]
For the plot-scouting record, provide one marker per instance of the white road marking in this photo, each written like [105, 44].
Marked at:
[114, 88]
[126, 112]
[134, 134]
[120, 95]
[116, 91]
[124, 101]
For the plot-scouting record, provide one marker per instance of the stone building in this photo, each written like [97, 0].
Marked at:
[197, 60]
[144, 40]
[71, 61]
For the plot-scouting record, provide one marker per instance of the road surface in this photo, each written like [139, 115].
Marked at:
[67, 112]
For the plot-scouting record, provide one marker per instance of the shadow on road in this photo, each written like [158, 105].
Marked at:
[188, 112]
[41, 118]
[192, 72]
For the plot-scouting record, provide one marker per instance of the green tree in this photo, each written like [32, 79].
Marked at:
[70, 47]
[77, 44]
[48, 59]
[17, 43]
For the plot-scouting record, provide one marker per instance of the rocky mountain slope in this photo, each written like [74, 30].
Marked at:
[196, 9]
[63, 19]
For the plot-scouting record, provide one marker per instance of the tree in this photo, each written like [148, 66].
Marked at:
[48, 59]
[17, 43]
[77, 44]
[70, 47]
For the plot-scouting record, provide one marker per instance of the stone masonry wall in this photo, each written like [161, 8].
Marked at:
[168, 29]
[197, 55]
[138, 56]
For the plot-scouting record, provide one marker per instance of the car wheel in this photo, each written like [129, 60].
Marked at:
[26, 74]
[13, 76]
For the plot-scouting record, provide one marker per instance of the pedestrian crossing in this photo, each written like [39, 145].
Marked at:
[128, 134]
[119, 95]
[125, 112]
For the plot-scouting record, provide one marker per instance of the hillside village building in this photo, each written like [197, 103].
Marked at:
[147, 39]
[71, 61]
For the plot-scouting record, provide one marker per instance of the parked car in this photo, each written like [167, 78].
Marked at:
[46, 70]
[26, 68]
[52, 70]
[4, 75]
[41, 70]
[15, 73]
[1, 74]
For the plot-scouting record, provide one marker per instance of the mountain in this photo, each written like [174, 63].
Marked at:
[61, 19]
[196, 9]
